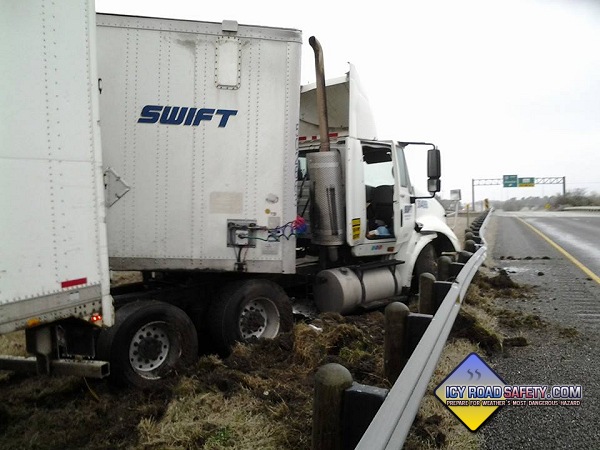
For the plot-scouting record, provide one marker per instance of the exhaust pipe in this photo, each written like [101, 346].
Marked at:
[326, 186]
[321, 96]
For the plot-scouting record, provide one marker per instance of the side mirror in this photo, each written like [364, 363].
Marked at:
[434, 185]
[434, 170]
[434, 165]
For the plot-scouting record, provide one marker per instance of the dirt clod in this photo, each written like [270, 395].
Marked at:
[518, 341]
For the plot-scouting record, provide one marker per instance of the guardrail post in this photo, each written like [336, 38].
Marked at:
[331, 380]
[473, 236]
[394, 344]
[361, 403]
[464, 256]
[426, 303]
[417, 325]
[443, 264]
[455, 269]
[470, 246]
[440, 290]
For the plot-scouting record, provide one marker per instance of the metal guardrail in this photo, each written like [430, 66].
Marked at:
[390, 426]
[582, 208]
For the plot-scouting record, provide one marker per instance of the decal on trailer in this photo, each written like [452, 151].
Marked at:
[183, 115]
[70, 283]
[356, 229]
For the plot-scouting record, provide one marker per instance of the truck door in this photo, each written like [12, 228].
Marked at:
[390, 214]
[386, 209]
[380, 191]
[405, 210]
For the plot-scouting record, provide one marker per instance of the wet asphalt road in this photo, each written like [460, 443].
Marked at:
[569, 300]
[576, 232]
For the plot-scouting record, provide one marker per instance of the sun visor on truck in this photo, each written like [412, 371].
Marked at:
[348, 108]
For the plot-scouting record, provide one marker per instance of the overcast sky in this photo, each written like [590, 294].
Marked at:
[502, 87]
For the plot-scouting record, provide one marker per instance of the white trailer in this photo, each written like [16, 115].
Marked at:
[199, 130]
[54, 277]
[200, 119]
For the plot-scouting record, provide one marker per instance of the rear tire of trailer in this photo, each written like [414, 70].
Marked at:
[248, 310]
[149, 342]
[426, 263]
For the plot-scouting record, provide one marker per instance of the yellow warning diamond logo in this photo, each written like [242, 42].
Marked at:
[473, 392]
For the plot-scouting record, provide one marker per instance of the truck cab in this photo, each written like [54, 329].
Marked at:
[379, 218]
[377, 201]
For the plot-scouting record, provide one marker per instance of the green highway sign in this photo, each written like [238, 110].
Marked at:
[526, 182]
[510, 180]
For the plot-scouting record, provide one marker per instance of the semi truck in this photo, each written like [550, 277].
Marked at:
[213, 173]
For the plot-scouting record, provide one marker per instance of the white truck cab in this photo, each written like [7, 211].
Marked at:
[380, 218]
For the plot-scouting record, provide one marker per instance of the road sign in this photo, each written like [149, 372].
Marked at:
[526, 182]
[510, 180]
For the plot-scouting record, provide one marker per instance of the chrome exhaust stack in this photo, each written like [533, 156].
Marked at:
[326, 185]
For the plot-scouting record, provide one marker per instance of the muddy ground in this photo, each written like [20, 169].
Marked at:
[271, 380]
[260, 397]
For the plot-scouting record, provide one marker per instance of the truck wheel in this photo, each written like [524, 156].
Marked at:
[426, 263]
[149, 341]
[248, 310]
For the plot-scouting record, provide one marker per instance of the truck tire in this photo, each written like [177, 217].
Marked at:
[248, 310]
[149, 341]
[426, 263]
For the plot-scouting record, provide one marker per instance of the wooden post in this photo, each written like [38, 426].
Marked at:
[468, 218]
[426, 299]
[331, 380]
[470, 246]
[443, 269]
[394, 351]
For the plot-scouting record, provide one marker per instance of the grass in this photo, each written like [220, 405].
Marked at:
[568, 332]
[258, 397]
[13, 344]
[481, 326]
[435, 427]
[512, 319]
[211, 421]
[261, 395]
